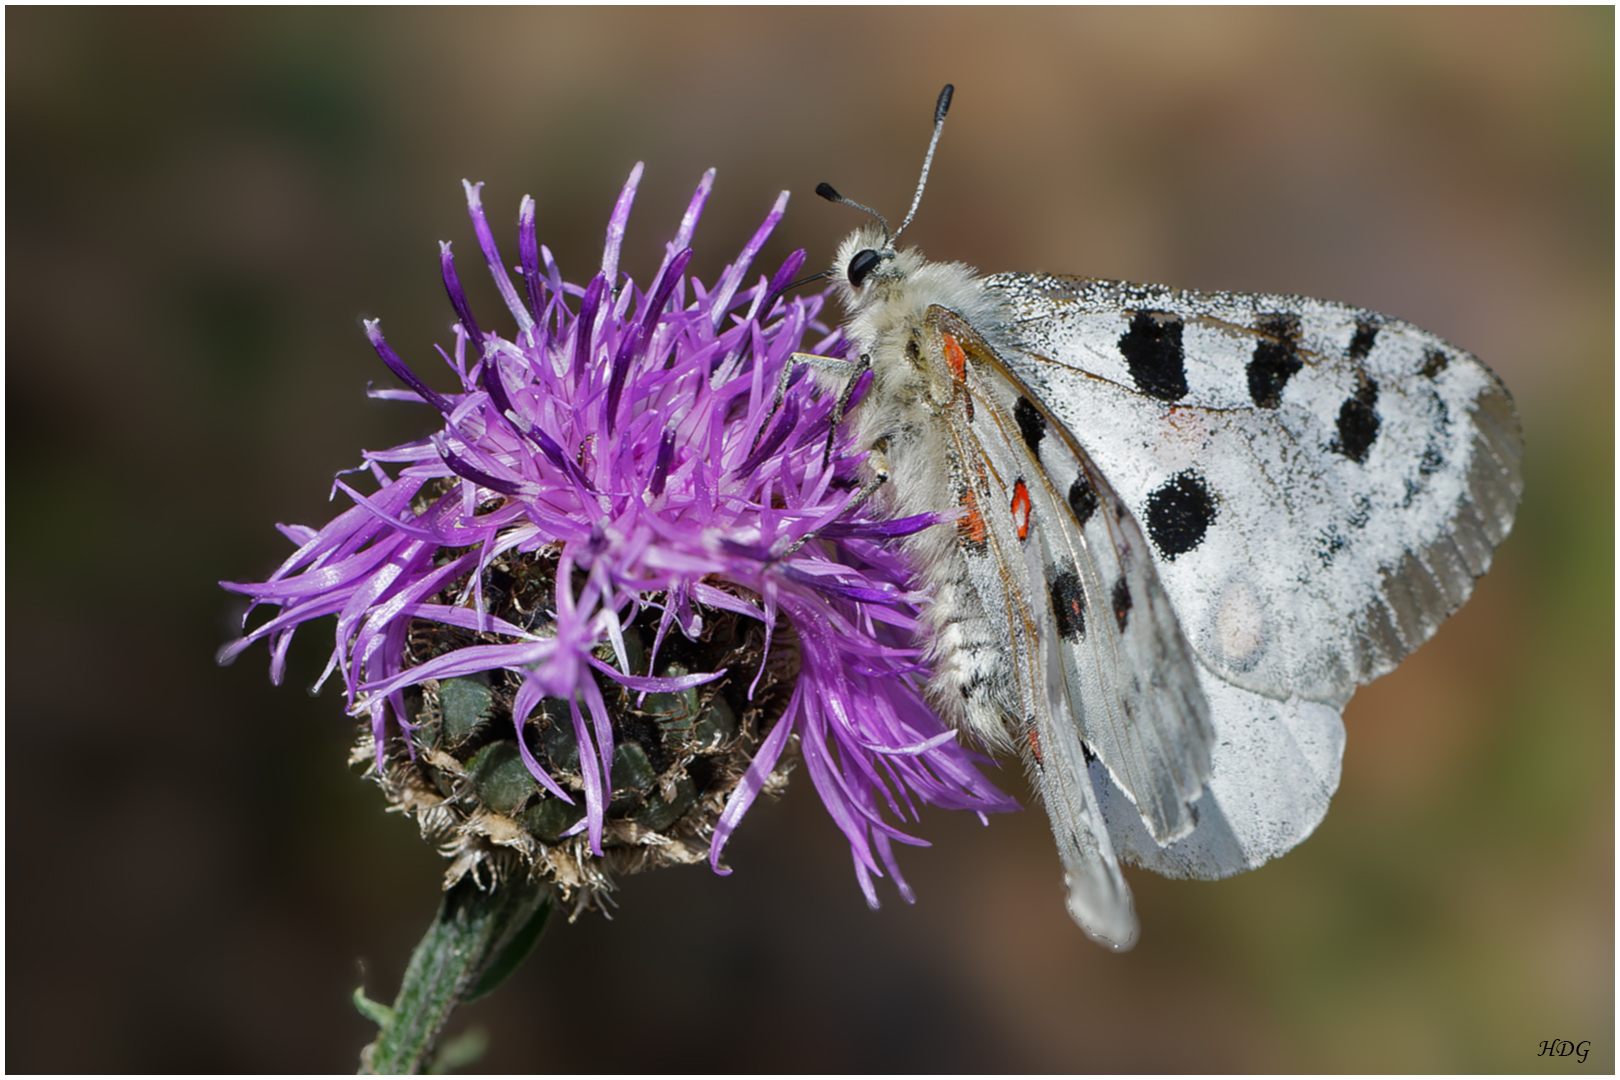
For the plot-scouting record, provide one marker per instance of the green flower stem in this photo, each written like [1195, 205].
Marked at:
[477, 939]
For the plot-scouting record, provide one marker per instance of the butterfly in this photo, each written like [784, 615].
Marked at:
[1184, 527]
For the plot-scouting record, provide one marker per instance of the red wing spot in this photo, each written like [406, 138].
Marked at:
[955, 357]
[1034, 744]
[970, 527]
[1021, 508]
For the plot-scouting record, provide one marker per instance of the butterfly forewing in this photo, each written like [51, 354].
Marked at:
[1322, 484]
[1109, 658]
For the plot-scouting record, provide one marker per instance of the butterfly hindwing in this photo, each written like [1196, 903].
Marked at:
[1275, 768]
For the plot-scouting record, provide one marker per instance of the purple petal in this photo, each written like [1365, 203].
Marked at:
[529, 256]
[720, 302]
[617, 221]
[401, 369]
[585, 326]
[492, 255]
[694, 210]
[458, 298]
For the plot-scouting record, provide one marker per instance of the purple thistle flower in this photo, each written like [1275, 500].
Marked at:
[619, 441]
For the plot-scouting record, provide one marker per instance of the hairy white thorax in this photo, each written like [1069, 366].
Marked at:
[901, 420]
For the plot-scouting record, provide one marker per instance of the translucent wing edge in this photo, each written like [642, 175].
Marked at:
[1428, 585]
[1099, 900]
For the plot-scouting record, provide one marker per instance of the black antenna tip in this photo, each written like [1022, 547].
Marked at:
[944, 102]
[828, 192]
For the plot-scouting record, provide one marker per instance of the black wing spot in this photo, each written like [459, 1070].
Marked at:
[913, 350]
[1358, 422]
[1152, 350]
[1434, 362]
[1366, 337]
[1069, 605]
[1031, 424]
[1082, 499]
[1122, 603]
[1179, 514]
[1431, 461]
[1276, 359]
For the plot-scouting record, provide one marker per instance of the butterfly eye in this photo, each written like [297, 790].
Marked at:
[862, 264]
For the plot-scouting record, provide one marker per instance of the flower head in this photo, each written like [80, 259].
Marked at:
[613, 485]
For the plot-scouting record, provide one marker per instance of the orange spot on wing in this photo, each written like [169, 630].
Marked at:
[955, 357]
[970, 526]
[1034, 738]
[1021, 508]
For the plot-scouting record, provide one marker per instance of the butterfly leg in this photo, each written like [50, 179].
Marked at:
[856, 370]
[835, 366]
[878, 462]
[844, 371]
[776, 402]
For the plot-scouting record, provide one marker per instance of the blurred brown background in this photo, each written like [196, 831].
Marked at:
[202, 204]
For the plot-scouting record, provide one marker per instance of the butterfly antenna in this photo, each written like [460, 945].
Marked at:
[830, 193]
[941, 107]
[808, 279]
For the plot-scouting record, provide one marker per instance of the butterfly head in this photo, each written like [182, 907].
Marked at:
[868, 269]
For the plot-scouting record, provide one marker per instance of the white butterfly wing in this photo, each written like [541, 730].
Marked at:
[1092, 648]
[1321, 486]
